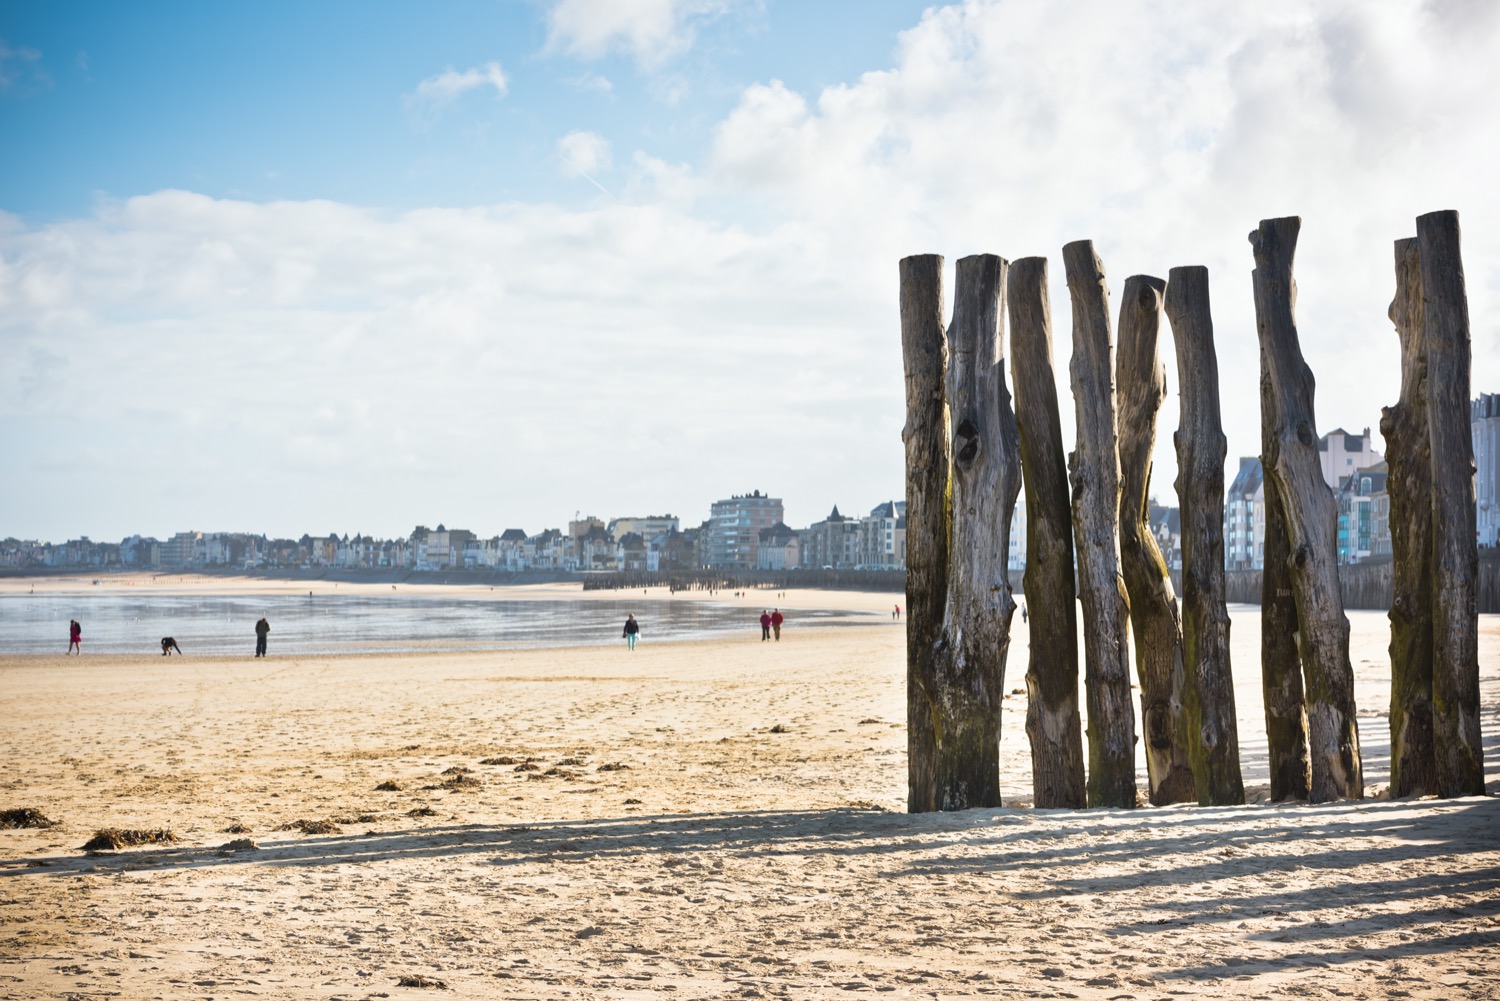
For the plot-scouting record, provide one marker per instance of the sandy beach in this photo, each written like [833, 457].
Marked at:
[703, 820]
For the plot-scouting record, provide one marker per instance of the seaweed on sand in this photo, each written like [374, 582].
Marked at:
[112, 839]
[25, 817]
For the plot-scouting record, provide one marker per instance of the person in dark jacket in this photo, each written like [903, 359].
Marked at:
[776, 620]
[262, 629]
[765, 625]
[632, 630]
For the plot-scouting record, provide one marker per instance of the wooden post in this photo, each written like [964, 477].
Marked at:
[964, 694]
[1095, 468]
[1141, 386]
[1215, 747]
[1311, 519]
[1408, 453]
[1455, 598]
[1052, 721]
[925, 359]
[1280, 662]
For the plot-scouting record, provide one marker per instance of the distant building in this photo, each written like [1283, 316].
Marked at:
[1484, 415]
[1166, 528]
[780, 548]
[832, 543]
[649, 527]
[1244, 519]
[1341, 453]
[882, 537]
[734, 526]
[1357, 524]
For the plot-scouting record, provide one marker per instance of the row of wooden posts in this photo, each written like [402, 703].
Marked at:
[966, 449]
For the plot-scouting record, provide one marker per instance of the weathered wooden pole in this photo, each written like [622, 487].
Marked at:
[1408, 453]
[1455, 598]
[1140, 387]
[925, 359]
[1280, 661]
[1095, 468]
[1215, 747]
[1052, 721]
[1310, 517]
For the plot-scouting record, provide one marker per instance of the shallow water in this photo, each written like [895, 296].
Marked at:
[333, 623]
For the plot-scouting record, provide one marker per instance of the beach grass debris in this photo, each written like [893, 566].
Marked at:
[462, 783]
[363, 818]
[779, 728]
[112, 839]
[389, 785]
[417, 980]
[868, 720]
[504, 759]
[25, 817]
[422, 811]
[632, 802]
[236, 828]
[240, 845]
[570, 761]
[613, 766]
[527, 766]
[312, 827]
[456, 770]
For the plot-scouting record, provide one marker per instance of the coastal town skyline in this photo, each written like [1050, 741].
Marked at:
[500, 256]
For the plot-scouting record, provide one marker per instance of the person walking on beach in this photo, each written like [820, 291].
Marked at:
[632, 630]
[765, 625]
[776, 620]
[75, 637]
[896, 612]
[262, 629]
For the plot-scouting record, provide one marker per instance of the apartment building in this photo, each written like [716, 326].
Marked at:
[734, 525]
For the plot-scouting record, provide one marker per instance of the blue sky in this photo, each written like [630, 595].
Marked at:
[354, 267]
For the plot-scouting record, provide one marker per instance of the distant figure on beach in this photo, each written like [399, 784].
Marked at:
[1023, 611]
[168, 644]
[765, 625]
[776, 620]
[896, 612]
[262, 629]
[632, 630]
[75, 637]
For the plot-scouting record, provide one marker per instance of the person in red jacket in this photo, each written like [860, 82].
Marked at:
[765, 625]
[776, 620]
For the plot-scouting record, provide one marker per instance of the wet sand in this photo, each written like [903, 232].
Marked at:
[718, 819]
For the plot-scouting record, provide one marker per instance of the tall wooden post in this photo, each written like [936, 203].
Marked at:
[925, 359]
[986, 479]
[1215, 749]
[1310, 517]
[1052, 720]
[1141, 386]
[1095, 468]
[1280, 661]
[1408, 453]
[1455, 599]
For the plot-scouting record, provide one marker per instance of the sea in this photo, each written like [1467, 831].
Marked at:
[114, 621]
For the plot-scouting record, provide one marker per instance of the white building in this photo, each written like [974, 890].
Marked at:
[1341, 453]
[1484, 415]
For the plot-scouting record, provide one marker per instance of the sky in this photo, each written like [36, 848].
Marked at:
[358, 266]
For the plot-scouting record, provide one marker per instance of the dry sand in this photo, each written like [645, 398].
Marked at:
[704, 820]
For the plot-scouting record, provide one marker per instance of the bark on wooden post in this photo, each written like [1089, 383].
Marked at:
[1455, 599]
[1052, 720]
[1141, 386]
[1215, 747]
[1408, 453]
[1311, 520]
[969, 684]
[925, 359]
[1280, 661]
[1095, 468]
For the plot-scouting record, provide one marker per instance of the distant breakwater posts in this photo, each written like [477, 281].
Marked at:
[1090, 550]
[893, 581]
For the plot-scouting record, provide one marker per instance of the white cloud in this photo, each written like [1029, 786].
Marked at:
[1164, 133]
[20, 65]
[649, 31]
[584, 154]
[436, 91]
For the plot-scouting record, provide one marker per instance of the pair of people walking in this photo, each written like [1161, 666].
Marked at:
[771, 621]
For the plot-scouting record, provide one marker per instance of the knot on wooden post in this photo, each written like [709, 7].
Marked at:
[1305, 434]
[966, 443]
